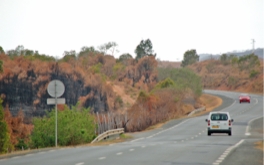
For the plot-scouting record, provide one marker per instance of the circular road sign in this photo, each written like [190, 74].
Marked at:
[56, 88]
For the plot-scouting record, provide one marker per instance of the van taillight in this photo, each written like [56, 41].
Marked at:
[229, 122]
[208, 122]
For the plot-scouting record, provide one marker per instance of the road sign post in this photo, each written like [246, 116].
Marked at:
[55, 89]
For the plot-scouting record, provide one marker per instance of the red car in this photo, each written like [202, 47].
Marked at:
[244, 98]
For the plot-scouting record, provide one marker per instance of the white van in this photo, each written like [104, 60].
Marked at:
[219, 122]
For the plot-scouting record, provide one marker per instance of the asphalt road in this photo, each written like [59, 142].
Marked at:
[179, 142]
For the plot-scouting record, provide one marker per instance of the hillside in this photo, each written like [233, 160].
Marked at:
[207, 56]
[219, 76]
[24, 81]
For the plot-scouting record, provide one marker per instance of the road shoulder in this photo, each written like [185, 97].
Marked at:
[250, 151]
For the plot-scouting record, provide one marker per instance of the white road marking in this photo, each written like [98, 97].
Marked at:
[119, 153]
[228, 106]
[227, 151]
[219, 161]
[101, 158]
[143, 146]
[131, 149]
[248, 127]
[222, 157]
[192, 137]
[137, 139]
[149, 137]
[79, 163]
[256, 101]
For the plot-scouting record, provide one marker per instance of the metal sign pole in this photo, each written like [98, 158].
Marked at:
[56, 89]
[56, 116]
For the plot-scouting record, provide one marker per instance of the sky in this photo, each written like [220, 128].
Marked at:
[173, 26]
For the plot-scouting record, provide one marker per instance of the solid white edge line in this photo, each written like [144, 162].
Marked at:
[159, 132]
[81, 163]
[249, 123]
[137, 139]
[228, 106]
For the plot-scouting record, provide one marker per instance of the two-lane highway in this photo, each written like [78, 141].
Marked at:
[179, 142]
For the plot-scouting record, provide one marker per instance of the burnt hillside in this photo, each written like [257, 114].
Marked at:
[23, 83]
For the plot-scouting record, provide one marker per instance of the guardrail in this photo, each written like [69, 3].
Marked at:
[107, 134]
[196, 111]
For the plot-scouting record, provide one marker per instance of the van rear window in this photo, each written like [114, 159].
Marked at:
[219, 117]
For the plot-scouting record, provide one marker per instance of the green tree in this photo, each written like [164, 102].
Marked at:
[75, 126]
[68, 55]
[145, 48]
[224, 59]
[1, 50]
[86, 50]
[125, 56]
[190, 57]
[4, 138]
[184, 78]
[111, 46]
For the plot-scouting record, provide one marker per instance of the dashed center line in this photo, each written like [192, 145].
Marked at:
[131, 149]
[143, 146]
[101, 158]
[119, 153]
[79, 163]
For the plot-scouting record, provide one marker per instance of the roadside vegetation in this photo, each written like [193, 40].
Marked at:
[135, 91]
[230, 72]
[76, 126]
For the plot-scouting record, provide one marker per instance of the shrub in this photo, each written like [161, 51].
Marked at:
[75, 126]
[253, 73]
[4, 138]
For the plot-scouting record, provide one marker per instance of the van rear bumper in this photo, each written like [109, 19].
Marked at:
[219, 130]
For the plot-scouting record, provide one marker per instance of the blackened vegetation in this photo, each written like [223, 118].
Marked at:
[23, 83]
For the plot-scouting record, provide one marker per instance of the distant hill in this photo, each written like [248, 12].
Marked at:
[258, 52]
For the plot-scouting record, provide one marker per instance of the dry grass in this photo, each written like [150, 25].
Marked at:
[187, 108]
[229, 77]
[209, 101]
[155, 126]
[259, 145]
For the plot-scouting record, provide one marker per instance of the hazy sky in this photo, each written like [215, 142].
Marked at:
[173, 26]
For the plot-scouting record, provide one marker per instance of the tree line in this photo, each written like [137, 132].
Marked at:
[160, 98]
